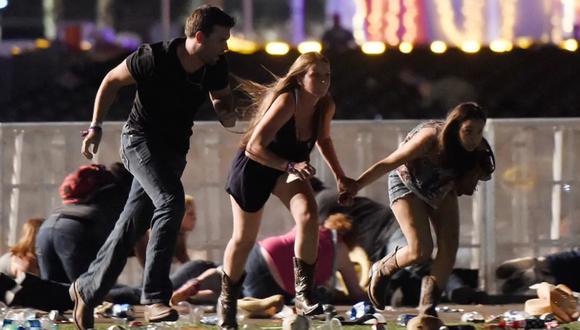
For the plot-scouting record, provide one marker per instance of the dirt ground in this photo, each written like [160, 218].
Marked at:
[390, 315]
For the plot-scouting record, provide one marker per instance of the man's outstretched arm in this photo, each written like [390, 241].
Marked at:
[106, 95]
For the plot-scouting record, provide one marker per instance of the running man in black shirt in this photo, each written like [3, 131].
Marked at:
[173, 79]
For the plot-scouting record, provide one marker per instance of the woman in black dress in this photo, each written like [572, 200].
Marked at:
[292, 115]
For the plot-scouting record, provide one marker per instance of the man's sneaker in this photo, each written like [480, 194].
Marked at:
[82, 313]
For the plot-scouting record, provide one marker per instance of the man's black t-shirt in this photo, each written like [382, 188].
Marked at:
[168, 97]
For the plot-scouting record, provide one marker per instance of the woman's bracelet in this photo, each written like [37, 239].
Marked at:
[290, 167]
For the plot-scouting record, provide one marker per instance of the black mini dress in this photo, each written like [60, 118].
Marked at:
[251, 183]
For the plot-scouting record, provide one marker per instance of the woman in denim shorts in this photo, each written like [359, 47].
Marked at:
[426, 173]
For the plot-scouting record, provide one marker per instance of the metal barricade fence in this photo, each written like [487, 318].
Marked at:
[530, 207]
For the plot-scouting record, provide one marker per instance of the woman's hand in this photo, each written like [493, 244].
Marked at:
[347, 189]
[346, 184]
[302, 170]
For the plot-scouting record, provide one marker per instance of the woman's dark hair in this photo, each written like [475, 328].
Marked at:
[452, 152]
[204, 19]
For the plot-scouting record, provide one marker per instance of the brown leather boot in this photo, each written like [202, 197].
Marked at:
[227, 304]
[381, 271]
[430, 295]
[304, 284]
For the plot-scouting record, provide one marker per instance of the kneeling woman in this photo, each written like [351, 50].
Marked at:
[293, 114]
[268, 270]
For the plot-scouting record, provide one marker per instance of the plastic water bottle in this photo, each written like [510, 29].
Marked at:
[8, 324]
[474, 317]
[185, 310]
[361, 308]
[403, 319]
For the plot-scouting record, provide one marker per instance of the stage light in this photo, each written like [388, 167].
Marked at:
[242, 46]
[15, 51]
[42, 43]
[438, 47]
[277, 48]
[470, 46]
[524, 42]
[500, 46]
[3, 4]
[569, 45]
[373, 47]
[405, 47]
[309, 46]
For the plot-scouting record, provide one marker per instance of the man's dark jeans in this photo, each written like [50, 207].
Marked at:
[156, 201]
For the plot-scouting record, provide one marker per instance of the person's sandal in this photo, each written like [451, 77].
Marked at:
[160, 313]
[184, 292]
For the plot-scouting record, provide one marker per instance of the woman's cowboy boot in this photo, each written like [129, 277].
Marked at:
[381, 271]
[227, 304]
[430, 295]
[304, 283]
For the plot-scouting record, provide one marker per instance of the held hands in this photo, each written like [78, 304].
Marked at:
[302, 170]
[92, 136]
[347, 189]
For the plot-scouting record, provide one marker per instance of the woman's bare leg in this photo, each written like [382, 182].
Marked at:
[412, 215]
[445, 222]
[298, 197]
[246, 226]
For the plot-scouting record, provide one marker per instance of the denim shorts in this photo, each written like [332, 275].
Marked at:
[397, 188]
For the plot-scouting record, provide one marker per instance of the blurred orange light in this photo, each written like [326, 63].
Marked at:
[470, 46]
[524, 42]
[570, 45]
[501, 46]
[42, 43]
[405, 47]
[373, 47]
[277, 48]
[438, 47]
[86, 45]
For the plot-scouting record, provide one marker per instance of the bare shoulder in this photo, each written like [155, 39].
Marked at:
[327, 106]
[426, 134]
[283, 105]
[286, 98]
[330, 101]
